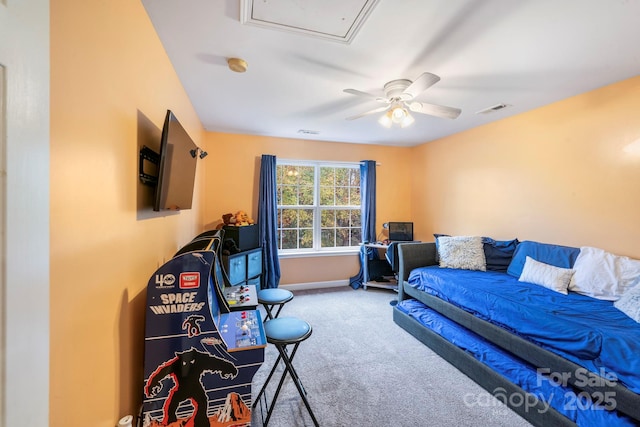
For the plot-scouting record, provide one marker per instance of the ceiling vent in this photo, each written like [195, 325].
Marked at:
[493, 108]
[335, 20]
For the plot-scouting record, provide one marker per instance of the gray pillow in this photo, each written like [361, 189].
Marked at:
[462, 252]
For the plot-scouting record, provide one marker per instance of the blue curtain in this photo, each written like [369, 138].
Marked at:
[267, 223]
[368, 197]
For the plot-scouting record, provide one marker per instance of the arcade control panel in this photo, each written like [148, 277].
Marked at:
[241, 330]
[241, 297]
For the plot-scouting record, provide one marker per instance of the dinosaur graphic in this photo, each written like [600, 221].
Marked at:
[192, 325]
[186, 370]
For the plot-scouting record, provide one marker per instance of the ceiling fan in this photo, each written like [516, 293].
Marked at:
[398, 99]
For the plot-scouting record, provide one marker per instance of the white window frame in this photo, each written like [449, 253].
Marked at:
[317, 250]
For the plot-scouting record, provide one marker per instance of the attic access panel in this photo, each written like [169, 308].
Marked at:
[335, 20]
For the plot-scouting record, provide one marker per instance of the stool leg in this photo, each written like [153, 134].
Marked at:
[268, 309]
[296, 380]
[264, 386]
[279, 309]
[282, 349]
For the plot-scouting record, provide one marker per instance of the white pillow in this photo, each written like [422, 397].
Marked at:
[463, 252]
[629, 303]
[603, 275]
[551, 277]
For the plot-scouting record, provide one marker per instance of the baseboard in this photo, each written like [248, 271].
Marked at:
[315, 285]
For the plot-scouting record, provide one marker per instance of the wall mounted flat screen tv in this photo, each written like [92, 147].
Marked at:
[176, 167]
[401, 231]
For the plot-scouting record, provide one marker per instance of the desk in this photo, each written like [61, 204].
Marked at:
[392, 283]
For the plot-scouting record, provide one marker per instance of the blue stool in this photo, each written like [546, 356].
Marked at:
[269, 298]
[282, 332]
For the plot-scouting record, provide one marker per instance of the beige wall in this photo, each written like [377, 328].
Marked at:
[109, 73]
[233, 176]
[567, 173]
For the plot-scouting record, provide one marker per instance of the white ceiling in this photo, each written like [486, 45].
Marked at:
[525, 53]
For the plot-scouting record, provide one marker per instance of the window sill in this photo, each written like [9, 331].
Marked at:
[310, 254]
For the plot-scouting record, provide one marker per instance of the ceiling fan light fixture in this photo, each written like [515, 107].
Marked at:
[398, 114]
[386, 119]
[407, 121]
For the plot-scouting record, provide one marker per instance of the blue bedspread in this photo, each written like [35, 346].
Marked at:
[587, 331]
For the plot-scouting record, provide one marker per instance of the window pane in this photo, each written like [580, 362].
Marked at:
[342, 237]
[327, 177]
[356, 215]
[327, 196]
[305, 218]
[342, 176]
[289, 196]
[328, 238]
[328, 218]
[342, 196]
[289, 218]
[356, 235]
[306, 239]
[354, 196]
[289, 239]
[354, 177]
[306, 174]
[305, 197]
[343, 217]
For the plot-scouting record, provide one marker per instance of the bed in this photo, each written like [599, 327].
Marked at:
[556, 359]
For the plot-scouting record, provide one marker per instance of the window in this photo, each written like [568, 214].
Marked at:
[318, 206]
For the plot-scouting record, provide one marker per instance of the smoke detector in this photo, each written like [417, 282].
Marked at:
[238, 65]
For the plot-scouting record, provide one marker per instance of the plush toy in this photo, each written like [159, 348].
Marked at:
[229, 247]
[243, 219]
[240, 218]
[228, 219]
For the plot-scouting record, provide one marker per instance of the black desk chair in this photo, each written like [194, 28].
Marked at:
[282, 332]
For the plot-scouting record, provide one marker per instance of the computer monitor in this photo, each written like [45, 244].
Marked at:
[401, 231]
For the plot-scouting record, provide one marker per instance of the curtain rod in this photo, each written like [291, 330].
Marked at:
[321, 161]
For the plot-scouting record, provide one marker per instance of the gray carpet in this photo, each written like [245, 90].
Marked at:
[360, 369]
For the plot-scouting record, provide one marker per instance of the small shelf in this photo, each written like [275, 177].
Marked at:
[390, 282]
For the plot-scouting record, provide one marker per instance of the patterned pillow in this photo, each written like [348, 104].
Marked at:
[463, 252]
[629, 303]
[547, 275]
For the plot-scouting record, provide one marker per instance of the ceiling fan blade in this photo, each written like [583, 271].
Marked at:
[377, 110]
[435, 110]
[422, 83]
[365, 94]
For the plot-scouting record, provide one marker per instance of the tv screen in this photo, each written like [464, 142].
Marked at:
[177, 167]
[401, 231]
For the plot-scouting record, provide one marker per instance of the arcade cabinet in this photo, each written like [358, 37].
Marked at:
[200, 356]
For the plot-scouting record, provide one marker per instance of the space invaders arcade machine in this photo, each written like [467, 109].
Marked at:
[200, 357]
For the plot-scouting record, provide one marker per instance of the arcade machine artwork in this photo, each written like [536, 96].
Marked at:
[200, 357]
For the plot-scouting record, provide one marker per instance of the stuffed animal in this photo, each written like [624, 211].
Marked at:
[228, 219]
[229, 247]
[243, 219]
[240, 218]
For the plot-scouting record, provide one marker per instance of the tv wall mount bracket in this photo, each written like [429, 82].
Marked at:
[150, 156]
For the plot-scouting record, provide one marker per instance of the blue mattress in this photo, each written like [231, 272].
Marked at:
[561, 398]
[589, 332]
